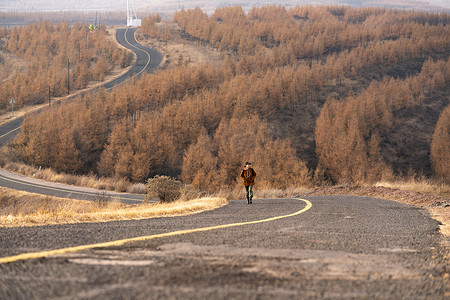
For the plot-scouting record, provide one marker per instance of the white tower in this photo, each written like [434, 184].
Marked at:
[132, 20]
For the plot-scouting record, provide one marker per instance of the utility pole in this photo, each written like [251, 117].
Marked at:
[132, 19]
[68, 77]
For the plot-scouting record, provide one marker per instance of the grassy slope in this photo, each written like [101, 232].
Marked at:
[25, 209]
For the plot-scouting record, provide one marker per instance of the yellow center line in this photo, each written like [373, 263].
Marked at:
[143, 69]
[26, 256]
[148, 54]
[9, 132]
[66, 190]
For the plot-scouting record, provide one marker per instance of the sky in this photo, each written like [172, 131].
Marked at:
[172, 5]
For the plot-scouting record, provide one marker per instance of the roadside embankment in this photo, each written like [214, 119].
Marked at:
[26, 209]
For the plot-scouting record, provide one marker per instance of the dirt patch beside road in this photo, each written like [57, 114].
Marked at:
[179, 50]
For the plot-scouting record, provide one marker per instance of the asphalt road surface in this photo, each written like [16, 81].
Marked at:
[338, 248]
[21, 183]
[147, 60]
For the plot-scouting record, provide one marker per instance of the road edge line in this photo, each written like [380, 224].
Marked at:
[101, 193]
[42, 254]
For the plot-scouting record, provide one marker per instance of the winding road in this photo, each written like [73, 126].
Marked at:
[310, 248]
[336, 247]
[147, 60]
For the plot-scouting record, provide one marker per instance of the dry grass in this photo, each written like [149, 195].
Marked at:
[90, 181]
[424, 186]
[24, 209]
[193, 52]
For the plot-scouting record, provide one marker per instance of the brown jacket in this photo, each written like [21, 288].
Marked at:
[248, 176]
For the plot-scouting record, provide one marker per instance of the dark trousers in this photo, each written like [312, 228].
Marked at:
[249, 191]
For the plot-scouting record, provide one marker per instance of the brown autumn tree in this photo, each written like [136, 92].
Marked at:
[349, 133]
[50, 50]
[210, 164]
[111, 157]
[279, 66]
[440, 146]
[200, 165]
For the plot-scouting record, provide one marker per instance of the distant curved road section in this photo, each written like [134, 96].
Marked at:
[147, 60]
[31, 185]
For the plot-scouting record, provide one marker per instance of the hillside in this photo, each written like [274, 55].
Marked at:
[40, 59]
[307, 93]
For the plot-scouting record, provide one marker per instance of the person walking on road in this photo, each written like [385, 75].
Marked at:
[248, 176]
